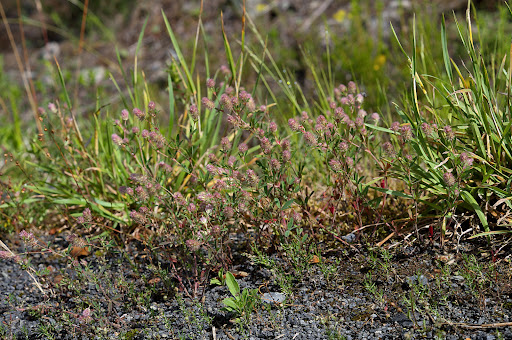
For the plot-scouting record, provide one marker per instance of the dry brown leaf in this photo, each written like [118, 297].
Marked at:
[314, 259]
[57, 279]
[79, 251]
[240, 274]
[154, 280]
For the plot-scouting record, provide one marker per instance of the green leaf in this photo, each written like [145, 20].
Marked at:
[468, 198]
[488, 233]
[230, 304]
[287, 204]
[446, 56]
[393, 192]
[215, 282]
[233, 286]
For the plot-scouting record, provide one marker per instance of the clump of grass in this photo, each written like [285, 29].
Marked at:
[459, 127]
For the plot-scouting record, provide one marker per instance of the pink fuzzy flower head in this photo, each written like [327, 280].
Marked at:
[6, 255]
[117, 140]
[466, 161]
[352, 87]
[406, 132]
[242, 148]
[193, 245]
[228, 212]
[359, 99]
[52, 107]
[375, 117]
[426, 128]
[343, 146]
[141, 193]
[225, 143]
[28, 238]
[252, 177]
[389, 150]
[286, 155]
[292, 123]
[87, 215]
[151, 105]
[210, 83]
[208, 103]
[244, 96]
[212, 169]
[395, 126]
[265, 145]
[225, 70]
[321, 120]
[272, 126]
[231, 161]
[274, 164]
[339, 112]
[194, 112]
[85, 316]
[448, 131]
[319, 127]
[125, 114]
[139, 114]
[310, 138]
[138, 218]
[335, 165]
[449, 179]
[226, 102]
[285, 144]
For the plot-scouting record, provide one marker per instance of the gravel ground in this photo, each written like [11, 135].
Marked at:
[367, 296]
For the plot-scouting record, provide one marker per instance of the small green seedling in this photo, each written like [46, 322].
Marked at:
[220, 280]
[243, 302]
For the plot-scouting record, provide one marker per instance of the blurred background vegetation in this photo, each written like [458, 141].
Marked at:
[298, 31]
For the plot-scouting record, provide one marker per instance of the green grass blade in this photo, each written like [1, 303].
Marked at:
[446, 56]
[181, 59]
[172, 117]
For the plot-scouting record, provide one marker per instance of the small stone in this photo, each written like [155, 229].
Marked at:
[349, 237]
[273, 297]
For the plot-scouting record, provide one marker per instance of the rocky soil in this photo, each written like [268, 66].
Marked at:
[410, 291]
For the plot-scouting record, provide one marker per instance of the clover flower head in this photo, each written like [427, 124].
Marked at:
[335, 165]
[242, 148]
[310, 138]
[210, 83]
[194, 113]
[117, 140]
[286, 155]
[293, 124]
[139, 114]
[448, 131]
[449, 179]
[406, 132]
[208, 103]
